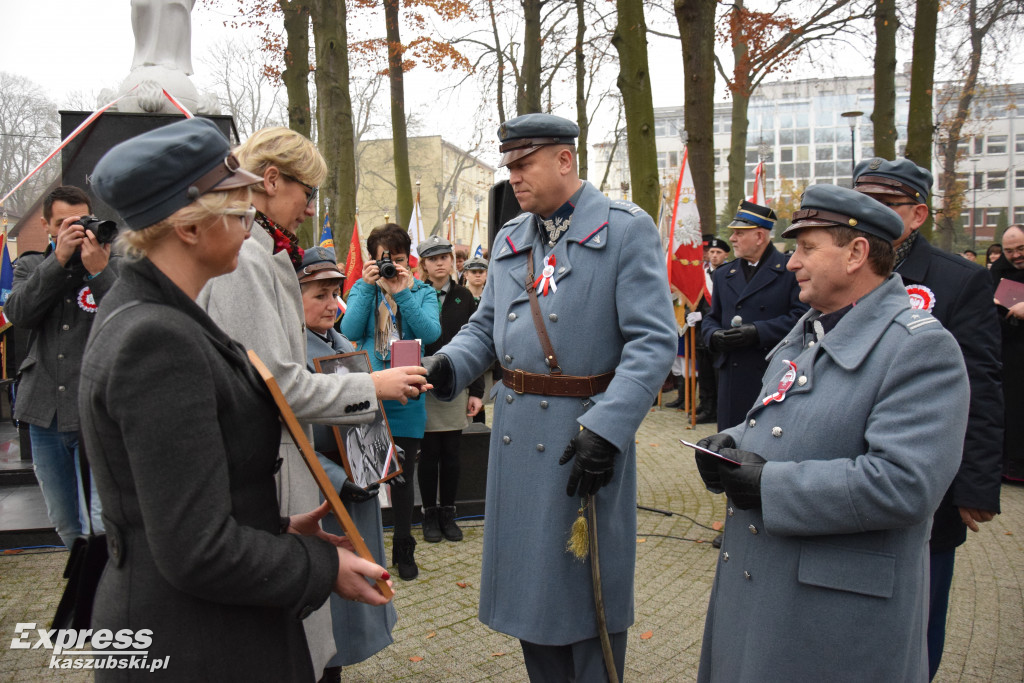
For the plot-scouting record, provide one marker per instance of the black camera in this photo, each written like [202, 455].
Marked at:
[105, 231]
[386, 266]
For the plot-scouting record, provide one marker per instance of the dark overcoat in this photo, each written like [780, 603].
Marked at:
[611, 311]
[1013, 376]
[183, 442]
[771, 301]
[828, 580]
[959, 293]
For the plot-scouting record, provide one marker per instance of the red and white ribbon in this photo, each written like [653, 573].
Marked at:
[547, 277]
[784, 384]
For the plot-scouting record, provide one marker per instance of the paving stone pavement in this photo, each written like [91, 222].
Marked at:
[438, 626]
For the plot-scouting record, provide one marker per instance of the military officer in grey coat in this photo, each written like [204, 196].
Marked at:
[855, 436]
[597, 269]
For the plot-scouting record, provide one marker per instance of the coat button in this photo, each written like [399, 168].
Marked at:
[65, 327]
[60, 356]
[729, 511]
[540, 447]
[752, 423]
[508, 359]
[512, 316]
[746, 575]
[776, 431]
[62, 388]
[562, 269]
[739, 306]
[725, 557]
[67, 301]
[802, 380]
[544, 405]
[753, 529]
[506, 439]
[810, 344]
[508, 398]
[553, 317]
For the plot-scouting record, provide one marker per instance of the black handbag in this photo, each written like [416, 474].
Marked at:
[85, 567]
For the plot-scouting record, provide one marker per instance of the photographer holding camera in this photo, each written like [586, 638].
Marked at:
[55, 295]
[386, 305]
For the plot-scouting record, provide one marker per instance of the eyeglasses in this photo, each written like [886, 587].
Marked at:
[892, 204]
[248, 216]
[312, 193]
[1014, 250]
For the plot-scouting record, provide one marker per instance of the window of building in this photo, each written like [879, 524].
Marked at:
[786, 154]
[822, 135]
[997, 144]
[979, 180]
[802, 135]
[997, 180]
[803, 153]
[786, 171]
[843, 152]
[1020, 142]
[979, 144]
[662, 159]
[786, 137]
[673, 159]
[824, 152]
[1019, 181]
[751, 157]
[1018, 215]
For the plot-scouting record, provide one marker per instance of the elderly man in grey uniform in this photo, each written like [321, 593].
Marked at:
[579, 372]
[843, 459]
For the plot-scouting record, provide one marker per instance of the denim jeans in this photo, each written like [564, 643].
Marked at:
[55, 461]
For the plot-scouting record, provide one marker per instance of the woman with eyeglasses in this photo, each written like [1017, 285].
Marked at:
[260, 305]
[182, 438]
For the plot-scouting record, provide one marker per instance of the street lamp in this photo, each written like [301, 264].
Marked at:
[852, 117]
[974, 201]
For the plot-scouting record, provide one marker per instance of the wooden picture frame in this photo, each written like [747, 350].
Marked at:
[367, 451]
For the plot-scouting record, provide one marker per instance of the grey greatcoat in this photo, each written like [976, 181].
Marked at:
[259, 304]
[181, 437]
[828, 581]
[611, 312]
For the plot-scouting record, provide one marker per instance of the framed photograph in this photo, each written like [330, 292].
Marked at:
[367, 450]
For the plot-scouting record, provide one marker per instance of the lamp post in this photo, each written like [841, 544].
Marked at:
[852, 117]
[974, 201]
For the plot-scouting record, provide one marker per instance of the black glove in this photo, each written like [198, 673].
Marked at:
[707, 465]
[736, 337]
[594, 463]
[351, 493]
[742, 482]
[440, 373]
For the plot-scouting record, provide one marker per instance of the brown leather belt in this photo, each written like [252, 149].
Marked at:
[523, 382]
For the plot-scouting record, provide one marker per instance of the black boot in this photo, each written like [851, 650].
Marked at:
[431, 526]
[402, 551]
[681, 397]
[449, 528]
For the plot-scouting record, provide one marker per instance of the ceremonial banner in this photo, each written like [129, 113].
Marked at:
[685, 247]
[354, 261]
[476, 243]
[327, 236]
[415, 233]
[759, 196]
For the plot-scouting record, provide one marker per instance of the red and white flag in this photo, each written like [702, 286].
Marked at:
[415, 233]
[685, 247]
[759, 194]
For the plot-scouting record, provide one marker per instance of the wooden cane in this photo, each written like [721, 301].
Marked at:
[691, 377]
[316, 469]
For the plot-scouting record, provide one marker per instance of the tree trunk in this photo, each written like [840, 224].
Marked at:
[334, 112]
[696, 19]
[399, 137]
[296, 62]
[498, 51]
[952, 194]
[630, 40]
[920, 129]
[528, 100]
[581, 99]
[884, 115]
[738, 150]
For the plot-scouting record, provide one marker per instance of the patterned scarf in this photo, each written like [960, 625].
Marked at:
[904, 249]
[387, 327]
[283, 240]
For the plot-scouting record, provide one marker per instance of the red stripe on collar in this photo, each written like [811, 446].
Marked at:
[583, 241]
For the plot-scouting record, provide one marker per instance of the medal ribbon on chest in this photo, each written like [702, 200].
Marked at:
[784, 384]
[547, 277]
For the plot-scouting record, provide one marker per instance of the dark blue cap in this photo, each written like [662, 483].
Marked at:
[901, 178]
[751, 215]
[830, 206]
[712, 242]
[318, 263]
[150, 176]
[527, 133]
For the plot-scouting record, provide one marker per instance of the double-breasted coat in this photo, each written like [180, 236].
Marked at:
[1012, 330]
[771, 301]
[259, 304]
[959, 294]
[611, 311]
[181, 436]
[828, 580]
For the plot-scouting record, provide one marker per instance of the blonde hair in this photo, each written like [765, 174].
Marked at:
[292, 153]
[136, 243]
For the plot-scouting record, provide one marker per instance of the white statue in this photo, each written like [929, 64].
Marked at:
[163, 34]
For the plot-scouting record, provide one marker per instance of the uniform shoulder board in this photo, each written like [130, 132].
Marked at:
[517, 220]
[916, 320]
[623, 205]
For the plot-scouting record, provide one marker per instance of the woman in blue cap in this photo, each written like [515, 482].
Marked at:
[183, 437]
